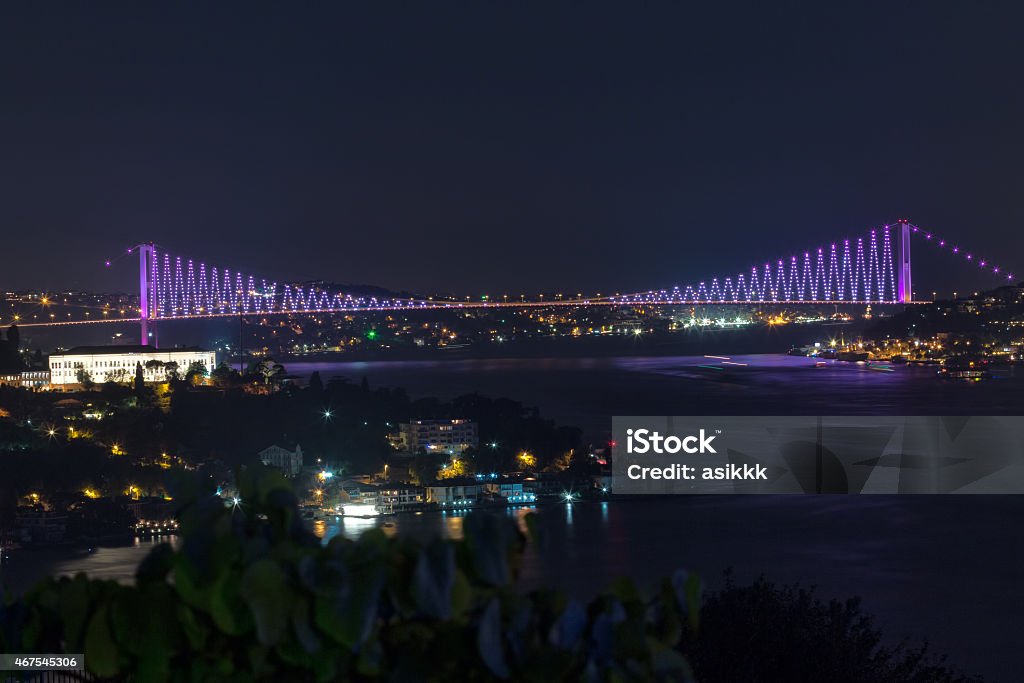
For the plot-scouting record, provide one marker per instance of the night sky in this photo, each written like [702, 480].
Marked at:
[500, 148]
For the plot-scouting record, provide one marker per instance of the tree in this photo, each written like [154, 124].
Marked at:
[786, 633]
[140, 381]
[270, 371]
[526, 460]
[84, 377]
[424, 468]
[454, 468]
[118, 376]
[171, 371]
[316, 385]
[225, 376]
[196, 372]
[10, 357]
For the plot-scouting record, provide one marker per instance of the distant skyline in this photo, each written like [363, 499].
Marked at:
[501, 148]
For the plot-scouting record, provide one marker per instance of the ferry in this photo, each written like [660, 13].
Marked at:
[360, 510]
[967, 370]
[149, 528]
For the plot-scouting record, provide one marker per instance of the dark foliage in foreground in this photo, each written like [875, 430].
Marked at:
[767, 633]
[252, 595]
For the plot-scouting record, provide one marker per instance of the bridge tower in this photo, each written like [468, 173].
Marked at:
[146, 299]
[906, 288]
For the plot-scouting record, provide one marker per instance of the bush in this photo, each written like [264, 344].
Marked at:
[252, 595]
[767, 633]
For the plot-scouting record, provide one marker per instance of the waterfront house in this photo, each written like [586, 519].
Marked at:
[393, 498]
[454, 493]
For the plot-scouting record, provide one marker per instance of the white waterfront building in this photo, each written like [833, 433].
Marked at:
[118, 363]
[435, 436]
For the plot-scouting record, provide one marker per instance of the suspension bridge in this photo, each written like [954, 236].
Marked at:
[871, 268]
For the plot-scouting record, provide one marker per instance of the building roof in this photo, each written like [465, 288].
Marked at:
[292, 448]
[128, 348]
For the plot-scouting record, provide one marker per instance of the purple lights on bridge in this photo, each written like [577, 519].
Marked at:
[179, 287]
[850, 272]
[861, 270]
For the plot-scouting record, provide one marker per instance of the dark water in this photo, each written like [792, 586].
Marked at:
[587, 392]
[946, 568]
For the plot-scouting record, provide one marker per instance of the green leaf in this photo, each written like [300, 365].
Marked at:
[156, 565]
[74, 608]
[188, 585]
[302, 626]
[101, 654]
[670, 662]
[462, 595]
[489, 640]
[195, 631]
[433, 580]
[227, 608]
[348, 614]
[150, 642]
[265, 589]
[624, 589]
[568, 629]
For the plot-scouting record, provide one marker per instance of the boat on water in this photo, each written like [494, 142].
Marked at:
[965, 369]
[360, 510]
